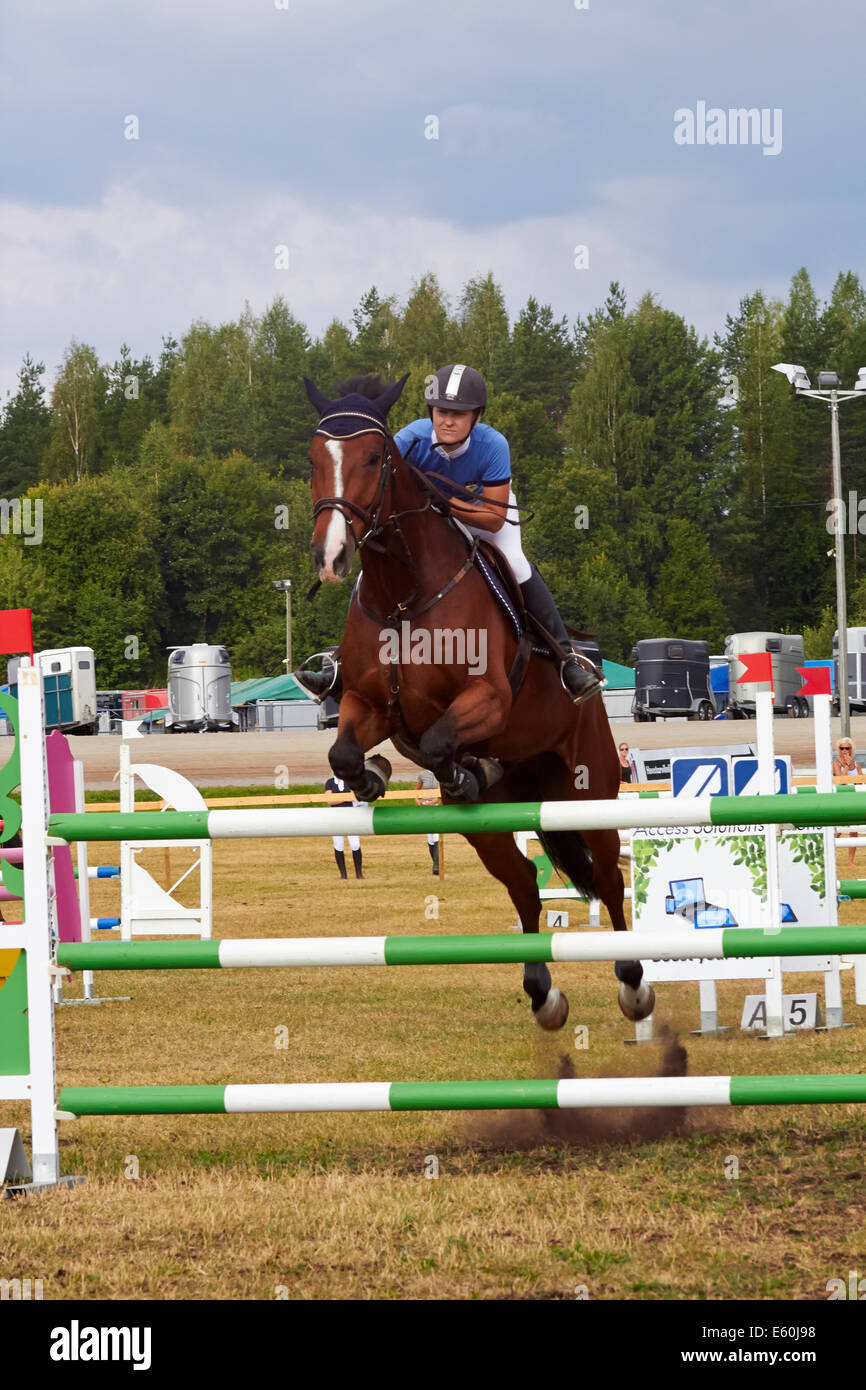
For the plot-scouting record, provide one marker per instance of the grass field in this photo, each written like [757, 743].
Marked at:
[628, 1205]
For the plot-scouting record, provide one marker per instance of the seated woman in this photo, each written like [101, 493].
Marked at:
[846, 765]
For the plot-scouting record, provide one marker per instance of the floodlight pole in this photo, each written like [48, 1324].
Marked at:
[286, 586]
[841, 590]
[832, 398]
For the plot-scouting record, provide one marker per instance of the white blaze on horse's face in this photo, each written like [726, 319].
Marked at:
[339, 546]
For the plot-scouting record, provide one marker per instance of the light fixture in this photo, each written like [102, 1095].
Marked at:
[796, 375]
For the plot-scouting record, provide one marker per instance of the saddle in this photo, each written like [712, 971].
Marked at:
[531, 636]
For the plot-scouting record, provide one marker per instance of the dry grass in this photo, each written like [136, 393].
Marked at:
[533, 1206]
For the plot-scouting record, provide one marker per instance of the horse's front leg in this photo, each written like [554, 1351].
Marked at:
[362, 725]
[479, 712]
[636, 997]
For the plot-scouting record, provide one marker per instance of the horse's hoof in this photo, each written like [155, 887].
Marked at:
[377, 772]
[488, 771]
[464, 787]
[638, 1003]
[380, 764]
[553, 1012]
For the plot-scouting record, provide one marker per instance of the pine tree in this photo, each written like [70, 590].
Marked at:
[374, 345]
[483, 321]
[25, 432]
[425, 330]
[281, 414]
[539, 360]
[688, 603]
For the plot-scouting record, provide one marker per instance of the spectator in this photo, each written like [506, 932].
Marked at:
[427, 782]
[335, 788]
[627, 769]
[846, 765]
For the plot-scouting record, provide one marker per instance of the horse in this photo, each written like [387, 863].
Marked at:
[420, 592]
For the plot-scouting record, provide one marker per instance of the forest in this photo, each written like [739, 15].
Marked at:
[678, 487]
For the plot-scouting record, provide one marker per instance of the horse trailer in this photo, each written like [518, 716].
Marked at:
[672, 679]
[199, 690]
[786, 651]
[69, 683]
[856, 668]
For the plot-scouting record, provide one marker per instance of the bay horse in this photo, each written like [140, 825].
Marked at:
[466, 724]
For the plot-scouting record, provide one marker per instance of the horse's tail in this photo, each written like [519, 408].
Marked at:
[538, 780]
[568, 851]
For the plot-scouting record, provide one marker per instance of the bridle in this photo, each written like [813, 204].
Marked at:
[349, 509]
[373, 524]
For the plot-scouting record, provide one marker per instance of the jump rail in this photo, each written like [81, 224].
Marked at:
[821, 808]
[617, 1092]
[714, 943]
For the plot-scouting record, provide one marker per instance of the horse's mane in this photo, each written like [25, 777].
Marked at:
[371, 386]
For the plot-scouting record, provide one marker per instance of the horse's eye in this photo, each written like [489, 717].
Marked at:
[374, 458]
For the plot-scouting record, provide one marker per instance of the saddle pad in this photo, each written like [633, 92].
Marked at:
[495, 585]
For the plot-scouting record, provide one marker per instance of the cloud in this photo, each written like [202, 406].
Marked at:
[135, 266]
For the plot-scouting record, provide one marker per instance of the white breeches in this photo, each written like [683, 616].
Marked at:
[507, 540]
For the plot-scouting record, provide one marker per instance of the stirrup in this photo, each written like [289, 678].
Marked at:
[594, 684]
[313, 681]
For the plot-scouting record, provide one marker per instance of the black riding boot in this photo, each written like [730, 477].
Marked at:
[434, 855]
[579, 682]
[324, 683]
[356, 860]
[341, 862]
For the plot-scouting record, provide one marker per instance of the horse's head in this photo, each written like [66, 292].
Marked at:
[351, 458]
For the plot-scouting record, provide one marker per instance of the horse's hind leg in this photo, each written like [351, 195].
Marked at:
[501, 857]
[636, 997]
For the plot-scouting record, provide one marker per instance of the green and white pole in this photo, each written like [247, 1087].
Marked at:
[742, 812]
[590, 1093]
[716, 943]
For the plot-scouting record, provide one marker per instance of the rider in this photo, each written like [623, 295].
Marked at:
[453, 442]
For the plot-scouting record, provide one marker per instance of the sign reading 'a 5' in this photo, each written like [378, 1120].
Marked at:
[799, 1011]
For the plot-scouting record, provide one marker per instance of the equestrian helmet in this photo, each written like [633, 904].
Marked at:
[456, 387]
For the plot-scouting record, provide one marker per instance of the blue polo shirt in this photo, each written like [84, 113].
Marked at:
[484, 459]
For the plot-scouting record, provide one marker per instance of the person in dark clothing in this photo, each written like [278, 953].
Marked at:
[337, 788]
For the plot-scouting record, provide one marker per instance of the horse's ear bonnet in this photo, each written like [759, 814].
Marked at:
[354, 407]
[315, 397]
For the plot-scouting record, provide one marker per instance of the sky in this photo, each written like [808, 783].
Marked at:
[380, 140]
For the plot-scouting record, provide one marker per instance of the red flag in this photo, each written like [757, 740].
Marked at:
[759, 667]
[816, 678]
[16, 631]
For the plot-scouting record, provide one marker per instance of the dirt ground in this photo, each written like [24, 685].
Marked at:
[259, 759]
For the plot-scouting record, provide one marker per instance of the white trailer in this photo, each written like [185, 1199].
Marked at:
[856, 668]
[786, 650]
[199, 690]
